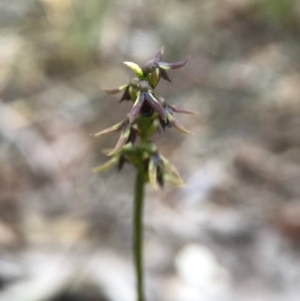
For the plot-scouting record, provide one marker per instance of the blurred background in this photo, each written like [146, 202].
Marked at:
[233, 233]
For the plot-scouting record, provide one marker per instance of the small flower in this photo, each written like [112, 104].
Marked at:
[155, 68]
[146, 103]
[128, 134]
[171, 120]
[160, 169]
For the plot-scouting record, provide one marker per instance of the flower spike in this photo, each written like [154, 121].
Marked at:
[155, 114]
[149, 113]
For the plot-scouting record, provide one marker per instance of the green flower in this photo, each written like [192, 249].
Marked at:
[161, 170]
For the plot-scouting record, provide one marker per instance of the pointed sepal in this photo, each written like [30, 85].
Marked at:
[164, 75]
[173, 66]
[159, 54]
[136, 107]
[176, 181]
[107, 165]
[136, 69]
[176, 124]
[115, 90]
[183, 110]
[122, 141]
[111, 129]
[169, 168]
[156, 105]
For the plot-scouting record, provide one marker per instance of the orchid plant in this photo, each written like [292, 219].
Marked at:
[149, 114]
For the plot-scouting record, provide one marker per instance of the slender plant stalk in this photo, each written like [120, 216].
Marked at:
[149, 114]
[138, 231]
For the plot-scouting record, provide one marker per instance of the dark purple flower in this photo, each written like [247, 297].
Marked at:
[145, 102]
[171, 120]
[155, 68]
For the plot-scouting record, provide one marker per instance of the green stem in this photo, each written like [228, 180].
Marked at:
[138, 230]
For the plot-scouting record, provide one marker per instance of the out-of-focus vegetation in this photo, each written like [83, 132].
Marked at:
[280, 12]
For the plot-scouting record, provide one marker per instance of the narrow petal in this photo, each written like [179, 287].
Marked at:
[111, 129]
[156, 105]
[107, 165]
[182, 110]
[173, 66]
[164, 75]
[177, 125]
[136, 107]
[121, 142]
[159, 54]
[152, 171]
[136, 69]
[115, 90]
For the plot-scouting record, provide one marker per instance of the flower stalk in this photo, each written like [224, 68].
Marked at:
[149, 114]
[138, 230]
